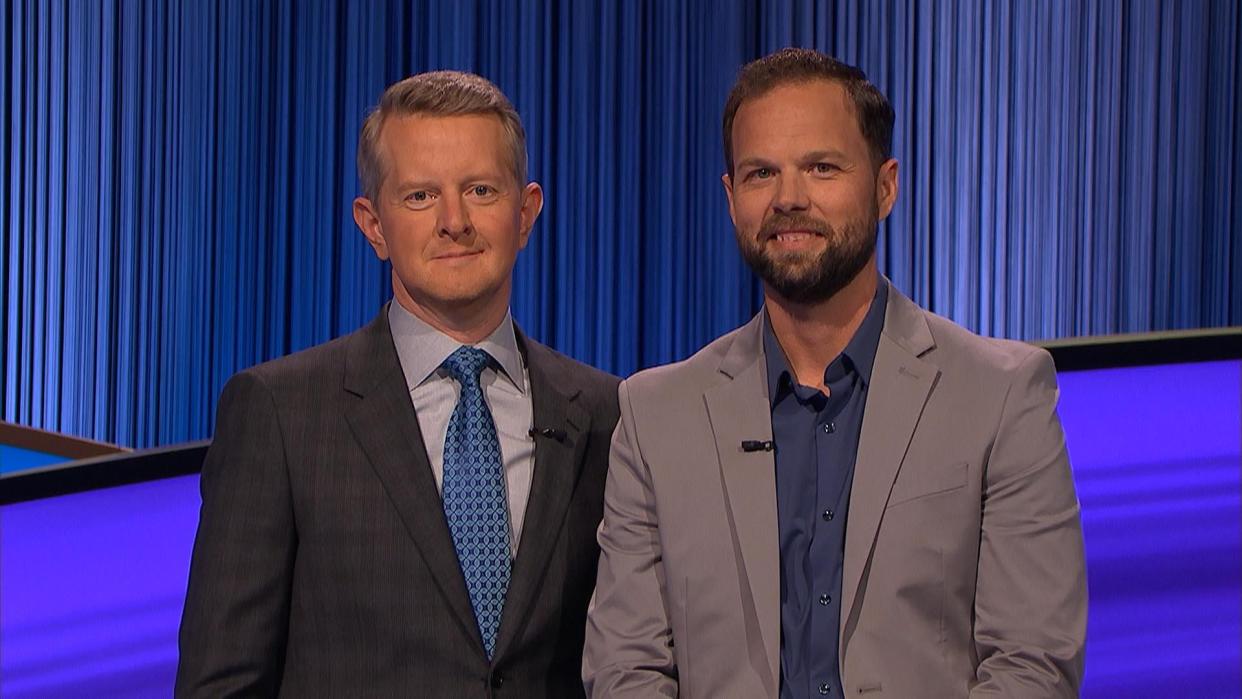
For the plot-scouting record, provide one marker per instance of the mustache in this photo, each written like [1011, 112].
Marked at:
[781, 223]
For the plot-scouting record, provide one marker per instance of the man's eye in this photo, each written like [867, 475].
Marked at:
[762, 173]
[418, 196]
[824, 168]
[482, 190]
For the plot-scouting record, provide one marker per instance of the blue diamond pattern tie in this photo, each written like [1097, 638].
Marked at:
[474, 495]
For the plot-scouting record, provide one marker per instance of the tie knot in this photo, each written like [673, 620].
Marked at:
[466, 363]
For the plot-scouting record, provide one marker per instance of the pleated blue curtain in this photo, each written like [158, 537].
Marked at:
[178, 180]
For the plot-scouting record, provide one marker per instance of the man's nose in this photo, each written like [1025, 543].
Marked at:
[791, 193]
[454, 219]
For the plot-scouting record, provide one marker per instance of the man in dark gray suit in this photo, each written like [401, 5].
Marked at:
[409, 510]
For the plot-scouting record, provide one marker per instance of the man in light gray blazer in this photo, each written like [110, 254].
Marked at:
[848, 496]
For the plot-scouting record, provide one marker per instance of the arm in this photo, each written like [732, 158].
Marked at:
[1031, 591]
[236, 616]
[628, 640]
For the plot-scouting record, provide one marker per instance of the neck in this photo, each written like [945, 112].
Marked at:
[813, 334]
[467, 323]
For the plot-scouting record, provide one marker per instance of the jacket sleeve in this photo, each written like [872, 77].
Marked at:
[628, 650]
[1031, 590]
[235, 623]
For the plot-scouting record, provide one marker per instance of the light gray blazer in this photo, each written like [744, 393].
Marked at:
[964, 572]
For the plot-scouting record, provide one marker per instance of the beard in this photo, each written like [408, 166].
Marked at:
[809, 277]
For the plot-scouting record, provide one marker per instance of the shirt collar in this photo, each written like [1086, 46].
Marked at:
[860, 350]
[422, 348]
[777, 364]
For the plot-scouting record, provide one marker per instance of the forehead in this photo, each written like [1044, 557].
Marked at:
[798, 116]
[471, 144]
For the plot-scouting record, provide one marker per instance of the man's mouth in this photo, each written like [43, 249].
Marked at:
[794, 236]
[456, 254]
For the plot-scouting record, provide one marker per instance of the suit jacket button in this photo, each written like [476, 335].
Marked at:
[498, 680]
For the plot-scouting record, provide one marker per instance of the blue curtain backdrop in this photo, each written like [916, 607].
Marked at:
[176, 199]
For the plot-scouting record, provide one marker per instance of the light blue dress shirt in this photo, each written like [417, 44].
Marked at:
[506, 388]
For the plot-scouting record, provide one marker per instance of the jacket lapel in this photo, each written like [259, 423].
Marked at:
[738, 410]
[558, 463]
[901, 383]
[384, 423]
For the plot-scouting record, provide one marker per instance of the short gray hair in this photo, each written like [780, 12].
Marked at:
[438, 93]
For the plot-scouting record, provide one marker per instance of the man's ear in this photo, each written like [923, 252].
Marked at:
[367, 219]
[532, 205]
[886, 186]
[727, 181]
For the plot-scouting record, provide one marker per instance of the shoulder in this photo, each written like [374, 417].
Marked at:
[596, 387]
[306, 374]
[689, 376]
[303, 370]
[989, 353]
[949, 346]
[985, 360]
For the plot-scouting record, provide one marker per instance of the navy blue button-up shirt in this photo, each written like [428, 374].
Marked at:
[816, 438]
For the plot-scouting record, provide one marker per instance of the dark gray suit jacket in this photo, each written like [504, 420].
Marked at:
[324, 566]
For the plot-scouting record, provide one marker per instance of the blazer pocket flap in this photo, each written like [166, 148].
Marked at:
[928, 479]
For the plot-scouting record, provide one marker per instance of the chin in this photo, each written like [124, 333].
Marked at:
[468, 292]
[794, 266]
[462, 297]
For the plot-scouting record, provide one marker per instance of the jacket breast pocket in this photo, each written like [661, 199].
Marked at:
[928, 479]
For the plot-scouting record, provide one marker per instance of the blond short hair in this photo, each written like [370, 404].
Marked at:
[438, 93]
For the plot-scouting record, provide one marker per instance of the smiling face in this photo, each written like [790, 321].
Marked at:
[806, 194]
[449, 214]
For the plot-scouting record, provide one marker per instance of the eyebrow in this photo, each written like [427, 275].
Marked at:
[829, 154]
[752, 162]
[406, 185]
[496, 176]
[415, 184]
[812, 157]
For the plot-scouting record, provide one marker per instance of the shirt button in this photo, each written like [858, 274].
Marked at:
[828, 515]
[825, 599]
[825, 688]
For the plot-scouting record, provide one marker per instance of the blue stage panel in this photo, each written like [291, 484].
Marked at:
[93, 585]
[1157, 455]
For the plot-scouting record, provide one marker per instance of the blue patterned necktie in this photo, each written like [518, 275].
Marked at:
[474, 495]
